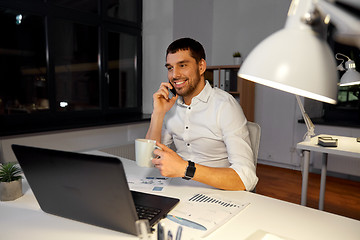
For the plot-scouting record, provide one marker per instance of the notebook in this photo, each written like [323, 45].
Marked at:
[87, 188]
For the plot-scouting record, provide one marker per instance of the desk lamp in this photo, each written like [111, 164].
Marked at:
[297, 58]
[351, 76]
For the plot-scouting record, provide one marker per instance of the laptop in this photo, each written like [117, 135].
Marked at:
[88, 188]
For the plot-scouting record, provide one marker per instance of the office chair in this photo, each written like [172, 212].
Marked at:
[255, 133]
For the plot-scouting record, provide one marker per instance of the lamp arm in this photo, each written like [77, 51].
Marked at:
[309, 124]
[347, 25]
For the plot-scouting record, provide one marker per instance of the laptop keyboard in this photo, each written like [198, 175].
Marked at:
[147, 212]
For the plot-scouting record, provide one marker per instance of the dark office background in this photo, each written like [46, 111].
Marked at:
[69, 64]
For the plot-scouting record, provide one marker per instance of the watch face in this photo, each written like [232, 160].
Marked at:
[190, 171]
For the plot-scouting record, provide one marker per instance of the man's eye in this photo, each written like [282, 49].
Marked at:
[169, 68]
[183, 65]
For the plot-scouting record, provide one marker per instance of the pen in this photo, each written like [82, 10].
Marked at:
[178, 233]
[170, 236]
[160, 232]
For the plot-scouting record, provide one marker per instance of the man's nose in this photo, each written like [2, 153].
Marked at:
[176, 72]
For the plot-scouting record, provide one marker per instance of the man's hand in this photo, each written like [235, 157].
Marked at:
[162, 102]
[169, 162]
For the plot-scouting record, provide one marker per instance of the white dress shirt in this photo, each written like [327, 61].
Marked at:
[212, 131]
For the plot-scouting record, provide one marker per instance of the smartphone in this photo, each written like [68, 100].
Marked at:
[172, 90]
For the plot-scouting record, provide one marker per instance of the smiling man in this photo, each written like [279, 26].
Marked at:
[206, 125]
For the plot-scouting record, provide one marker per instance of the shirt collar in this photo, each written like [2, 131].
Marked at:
[202, 96]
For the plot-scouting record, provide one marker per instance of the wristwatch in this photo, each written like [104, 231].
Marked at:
[190, 171]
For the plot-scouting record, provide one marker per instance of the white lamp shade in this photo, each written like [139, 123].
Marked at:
[351, 76]
[295, 61]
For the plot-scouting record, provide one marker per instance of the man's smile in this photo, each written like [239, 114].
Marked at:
[180, 84]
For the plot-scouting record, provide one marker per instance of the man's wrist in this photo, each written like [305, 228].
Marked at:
[158, 114]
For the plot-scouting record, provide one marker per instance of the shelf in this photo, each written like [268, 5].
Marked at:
[223, 67]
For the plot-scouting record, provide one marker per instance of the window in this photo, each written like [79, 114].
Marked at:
[76, 72]
[124, 10]
[66, 64]
[90, 6]
[23, 73]
[122, 70]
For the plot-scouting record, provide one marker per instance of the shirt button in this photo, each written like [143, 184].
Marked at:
[186, 127]
[188, 144]
[189, 108]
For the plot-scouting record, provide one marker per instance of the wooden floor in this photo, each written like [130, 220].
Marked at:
[342, 196]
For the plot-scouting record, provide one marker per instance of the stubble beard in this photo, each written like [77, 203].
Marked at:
[191, 87]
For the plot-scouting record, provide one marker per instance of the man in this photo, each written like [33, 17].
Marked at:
[207, 125]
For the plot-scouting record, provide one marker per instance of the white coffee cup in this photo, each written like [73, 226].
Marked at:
[144, 149]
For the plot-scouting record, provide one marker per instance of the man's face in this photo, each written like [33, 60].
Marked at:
[184, 73]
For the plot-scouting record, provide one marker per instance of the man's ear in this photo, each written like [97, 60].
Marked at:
[202, 66]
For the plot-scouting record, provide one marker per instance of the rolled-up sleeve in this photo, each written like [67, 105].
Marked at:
[237, 140]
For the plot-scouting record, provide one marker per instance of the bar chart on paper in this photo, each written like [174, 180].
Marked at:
[202, 198]
[208, 210]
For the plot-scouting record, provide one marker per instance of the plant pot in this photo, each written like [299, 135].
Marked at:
[10, 190]
[237, 60]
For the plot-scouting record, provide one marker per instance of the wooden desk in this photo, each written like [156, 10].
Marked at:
[347, 146]
[23, 219]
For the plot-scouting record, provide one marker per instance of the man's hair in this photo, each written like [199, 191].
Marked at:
[196, 49]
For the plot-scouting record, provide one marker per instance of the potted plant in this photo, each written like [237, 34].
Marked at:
[237, 58]
[10, 182]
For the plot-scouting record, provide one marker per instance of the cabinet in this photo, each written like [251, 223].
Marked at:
[225, 77]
